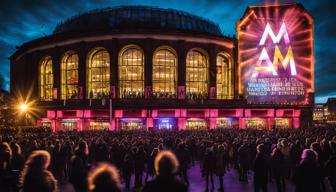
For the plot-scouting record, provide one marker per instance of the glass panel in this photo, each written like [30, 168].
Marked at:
[164, 74]
[98, 74]
[196, 75]
[69, 80]
[131, 73]
[46, 79]
[224, 82]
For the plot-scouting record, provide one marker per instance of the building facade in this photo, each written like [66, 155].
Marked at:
[138, 67]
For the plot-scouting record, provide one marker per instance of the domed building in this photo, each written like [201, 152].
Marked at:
[136, 67]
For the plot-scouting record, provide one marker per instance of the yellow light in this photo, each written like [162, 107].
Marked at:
[23, 107]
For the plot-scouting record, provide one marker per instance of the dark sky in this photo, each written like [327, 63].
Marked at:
[24, 20]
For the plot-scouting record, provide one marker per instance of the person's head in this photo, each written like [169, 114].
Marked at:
[315, 146]
[308, 155]
[5, 148]
[276, 152]
[166, 163]
[83, 147]
[39, 160]
[105, 177]
[17, 149]
[332, 145]
[261, 148]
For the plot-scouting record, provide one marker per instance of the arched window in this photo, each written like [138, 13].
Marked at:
[46, 79]
[98, 74]
[224, 84]
[131, 72]
[164, 73]
[69, 76]
[197, 73]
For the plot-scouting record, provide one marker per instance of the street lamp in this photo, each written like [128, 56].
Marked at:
[23, 107]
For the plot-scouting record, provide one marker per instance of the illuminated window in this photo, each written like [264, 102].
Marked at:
[98, 79]
[69, 74]
[131, 72]
[46, 79]
[224, 77]
[164, 73]
[196, 75]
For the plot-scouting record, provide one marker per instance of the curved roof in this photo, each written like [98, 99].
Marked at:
[138, 18]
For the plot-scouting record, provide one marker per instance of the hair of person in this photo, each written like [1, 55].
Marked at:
[17, 149]
[105, 177]
[261, 148]
[166, 163]
[39, 159]
[5, 148]
[309, 155]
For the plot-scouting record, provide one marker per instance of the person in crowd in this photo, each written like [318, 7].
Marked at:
[104, 178]
[220, 165]
[166, 167]
[261, 169]
[5, 166]
[330, 166]
[127, 167]
[183, 156]
[17, 164]
[79, 167]
[244, 160]
[308, 175]
[139, 165]
[277, 163]
[35, 176]
[209, 163]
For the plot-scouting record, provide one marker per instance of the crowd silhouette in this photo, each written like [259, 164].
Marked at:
[38, 160]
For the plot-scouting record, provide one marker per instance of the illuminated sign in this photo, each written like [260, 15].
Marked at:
[275, 55]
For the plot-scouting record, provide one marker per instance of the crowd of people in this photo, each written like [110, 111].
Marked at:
[39, 160]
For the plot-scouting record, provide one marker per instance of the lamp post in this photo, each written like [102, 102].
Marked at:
[24, 109]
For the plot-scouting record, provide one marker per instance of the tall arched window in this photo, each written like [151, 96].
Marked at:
[224, 84]
[164, 73]
[69, 76]
[46, 79]
[197, 74]
[131, 72]
[98, 74]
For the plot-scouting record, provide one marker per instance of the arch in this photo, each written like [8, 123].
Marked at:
[46, 79]
[224, 76]
[98, 73]
[69, 75]
[197, 74]
[131, 72]
[164, 72]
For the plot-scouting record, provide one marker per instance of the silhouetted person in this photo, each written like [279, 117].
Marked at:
[35, 176]
[18, 161]
[5, 166]
[330, 166]
[244, 161]
[220, 165]
[261, 169]
[183, 156]
[166, 168]
[307, 175]
[277, 166]
[104, 178]
[79, 167]
[209, 163]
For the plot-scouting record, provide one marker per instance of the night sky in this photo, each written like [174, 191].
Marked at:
[23, 20]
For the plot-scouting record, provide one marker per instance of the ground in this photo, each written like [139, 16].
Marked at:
[231, 182]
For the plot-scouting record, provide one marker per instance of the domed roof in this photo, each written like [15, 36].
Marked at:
[138, 17]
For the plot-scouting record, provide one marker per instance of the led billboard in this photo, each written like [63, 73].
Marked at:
[275, 55]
